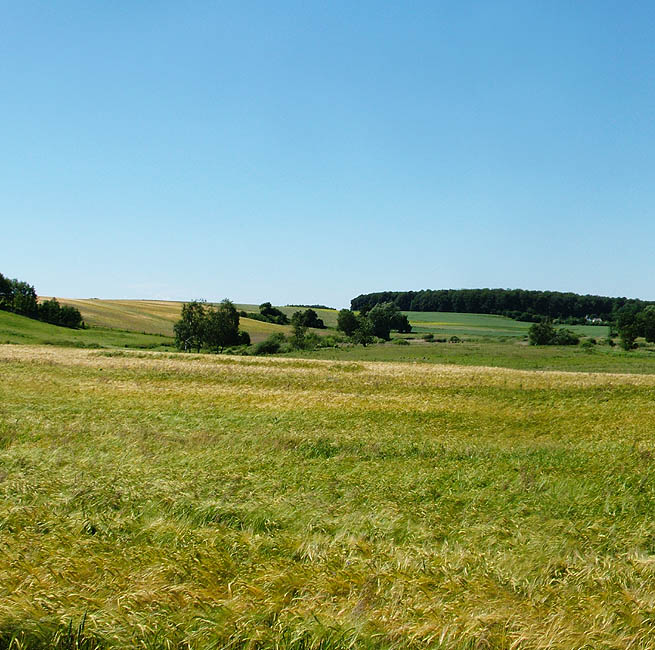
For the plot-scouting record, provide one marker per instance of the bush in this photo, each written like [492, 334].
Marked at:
[542, 333]
[272, 345]
[565, 336]
[312, 341]
[454, 339]
[400, 342]
[347, 322]
[545, 334]
[428, 337]
[330, 341]
[273, 314]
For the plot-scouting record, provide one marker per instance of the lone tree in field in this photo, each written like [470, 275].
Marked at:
[347, 322]
[221, 326]
[363, 334]
[386, 317]
[310, 319]
[190, 329]
[204, 326]
[299, 329]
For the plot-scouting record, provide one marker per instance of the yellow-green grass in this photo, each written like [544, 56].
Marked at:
[21, 330]
[482, 325]
[152, 316]
[199, 501]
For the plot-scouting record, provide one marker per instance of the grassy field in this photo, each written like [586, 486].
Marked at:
[482, 325]
[19, 329]
[152, 317]
[162, 500]
[498, 354]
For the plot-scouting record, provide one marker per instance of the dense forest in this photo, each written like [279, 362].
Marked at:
[519, 304]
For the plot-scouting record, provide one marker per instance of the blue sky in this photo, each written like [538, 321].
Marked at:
[305, 152]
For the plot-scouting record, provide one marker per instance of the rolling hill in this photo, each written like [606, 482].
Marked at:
[159, 316]
[23, 330]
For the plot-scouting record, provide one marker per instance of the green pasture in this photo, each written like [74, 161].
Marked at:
[482, 325]
[164, 500]
[21, 330]
[499, 354]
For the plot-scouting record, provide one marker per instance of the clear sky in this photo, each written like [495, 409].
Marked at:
[304, 152]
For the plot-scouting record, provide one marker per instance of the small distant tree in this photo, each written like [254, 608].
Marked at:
[363, 334]
[273, 314]
[310, 319]
[299, 329]
[627, 324]
[564, 336]
[382, 319]
[347, 322]
[273, 344]
[70, 317]
[542, 333]
[400, 323]
[190, 329]
[221, 326]
[386, 316]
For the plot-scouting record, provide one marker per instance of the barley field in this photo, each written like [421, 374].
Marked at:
[162, 500]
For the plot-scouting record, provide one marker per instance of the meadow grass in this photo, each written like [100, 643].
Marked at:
[498, 354]
[23, 330]
[164, 500]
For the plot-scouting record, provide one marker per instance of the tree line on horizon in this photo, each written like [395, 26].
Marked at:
[519, 304]
[19, 297]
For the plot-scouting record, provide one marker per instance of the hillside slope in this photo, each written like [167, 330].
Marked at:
[20, 329]
[155, 316]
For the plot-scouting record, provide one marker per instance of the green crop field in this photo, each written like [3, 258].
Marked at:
[482, 325]
[165, 500]
[19, 329]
